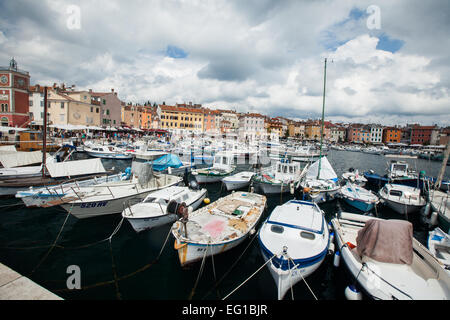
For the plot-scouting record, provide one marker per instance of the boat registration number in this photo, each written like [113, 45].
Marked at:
[94, 204]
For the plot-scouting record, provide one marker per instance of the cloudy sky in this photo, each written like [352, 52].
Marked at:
[388, 61]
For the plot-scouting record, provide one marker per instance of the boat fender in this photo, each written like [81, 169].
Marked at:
[337, 258]
[206, 200]
[434, 218]
[426, 210]
[291, 186]
[352, 293]
[331, 248]
[331, 237]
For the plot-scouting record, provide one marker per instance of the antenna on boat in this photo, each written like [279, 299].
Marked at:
[323, 114]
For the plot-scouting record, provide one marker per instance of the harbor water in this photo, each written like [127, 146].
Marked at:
[125, 266]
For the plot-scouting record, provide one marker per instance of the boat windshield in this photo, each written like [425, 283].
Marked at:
[150, 199]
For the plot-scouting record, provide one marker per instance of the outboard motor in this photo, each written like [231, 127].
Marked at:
[194, 185]
[181, 210]
[351, 169]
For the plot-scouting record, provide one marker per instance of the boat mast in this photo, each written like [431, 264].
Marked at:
[444, 165]
[44, 137]
[323, 114]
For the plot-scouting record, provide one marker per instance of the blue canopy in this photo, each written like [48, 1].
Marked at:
[168, 160]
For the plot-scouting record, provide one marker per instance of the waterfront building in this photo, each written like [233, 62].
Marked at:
[392, 135]
[74, 108]
[251, 127]
[422, 134]
[132, 115]
[354, 132]
[14, 85]
[312, 130]
[110, 107]
[181, 118]
[36, 104]
[376, 134]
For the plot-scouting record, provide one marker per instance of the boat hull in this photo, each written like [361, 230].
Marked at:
[142, 224]
[189, 253]
[285, 279]
[360, 205]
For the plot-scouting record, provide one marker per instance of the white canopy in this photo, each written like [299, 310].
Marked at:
[326, 170]
[6, 129]
[8, 149]
[11, 159]
[75, 168]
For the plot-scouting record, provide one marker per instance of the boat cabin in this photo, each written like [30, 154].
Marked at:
[223, 160]
[287, 170]
[399, 169]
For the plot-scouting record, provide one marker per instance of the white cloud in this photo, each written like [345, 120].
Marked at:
[260, 55]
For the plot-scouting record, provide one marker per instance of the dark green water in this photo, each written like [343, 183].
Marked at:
[25, 236]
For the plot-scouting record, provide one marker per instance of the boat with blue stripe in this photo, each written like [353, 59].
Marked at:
[295, 237]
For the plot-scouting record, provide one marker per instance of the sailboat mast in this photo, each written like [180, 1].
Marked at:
[44, 134]
[323, 114]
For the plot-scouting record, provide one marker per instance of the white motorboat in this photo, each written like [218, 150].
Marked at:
[321, 182]
[439, 246]
[402, 199]
[239, 180]
[296, 237]
[108, 152]
[280, 178]
[154, 210]
[108, 199]
[354, 176]
[358, 197]
[222, 167]
[217, 227]
[386, 261]
[51, 195]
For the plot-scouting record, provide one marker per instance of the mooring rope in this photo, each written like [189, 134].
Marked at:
[249, 277]
[54, 243]
[305, 281]
[199, 274]
[232, 266]
[113, 264]
[129, 275]
[12, 205]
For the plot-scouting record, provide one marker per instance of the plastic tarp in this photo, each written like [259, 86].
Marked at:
[75, 168]
[9, 148]
[17, 159]
[388, 241]
[168, 160]
[326, 170]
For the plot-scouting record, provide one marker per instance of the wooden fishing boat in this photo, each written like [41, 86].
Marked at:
[217, 227]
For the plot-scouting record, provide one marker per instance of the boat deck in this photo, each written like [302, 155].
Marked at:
[225, 219]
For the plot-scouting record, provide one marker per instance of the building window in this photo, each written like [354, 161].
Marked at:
[97, 110]
[31, 103]
[4, 107]
[62, 105]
